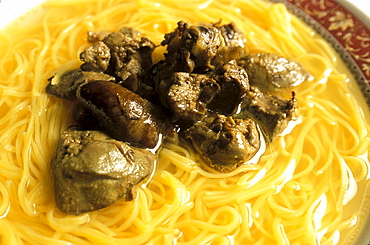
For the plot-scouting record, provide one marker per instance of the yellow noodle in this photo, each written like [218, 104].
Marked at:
[298, 193]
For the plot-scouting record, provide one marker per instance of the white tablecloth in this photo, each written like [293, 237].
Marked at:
[363, 5]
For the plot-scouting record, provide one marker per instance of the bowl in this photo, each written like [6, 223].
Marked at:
[344, 25]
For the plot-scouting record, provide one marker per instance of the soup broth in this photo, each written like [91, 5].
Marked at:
[309, 187]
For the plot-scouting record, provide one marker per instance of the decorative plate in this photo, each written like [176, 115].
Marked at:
[345, 27]
[341, 24]
[348, 30]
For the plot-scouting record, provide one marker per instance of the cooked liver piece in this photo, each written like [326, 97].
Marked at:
[270, 71]
[192, 48]
[225, 143]
[234, 83]
[64, 85]
[124, 55]
[96, 57]
[125, 115]
[272, 113]
[189, 95]
[92, 170]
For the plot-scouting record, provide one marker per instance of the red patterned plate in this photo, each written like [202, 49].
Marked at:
[340, 23]
[348, 30]
[345, 27]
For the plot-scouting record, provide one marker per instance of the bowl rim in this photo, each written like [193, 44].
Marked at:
[347, 29]
[340, 22]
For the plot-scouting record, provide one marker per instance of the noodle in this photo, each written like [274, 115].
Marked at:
[307, 188]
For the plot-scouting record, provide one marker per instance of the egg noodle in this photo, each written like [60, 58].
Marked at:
[308, 187]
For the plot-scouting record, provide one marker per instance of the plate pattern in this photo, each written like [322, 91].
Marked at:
[348, 35]
[344, 26]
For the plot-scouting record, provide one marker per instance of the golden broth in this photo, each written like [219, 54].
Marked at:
[308, 188]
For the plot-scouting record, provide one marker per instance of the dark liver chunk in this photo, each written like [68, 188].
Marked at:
[96, 57]
[92, 171]
[125, 115]
[231, 35]
[191, 47]
[124, 55]
[271, 71]
[234, 83]
[64, 85]
[271, 112]
[189, 95]
[225, 143]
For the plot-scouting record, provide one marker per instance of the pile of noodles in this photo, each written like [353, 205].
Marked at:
[308, 187]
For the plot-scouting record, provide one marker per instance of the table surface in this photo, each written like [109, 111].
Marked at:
[363, 5]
